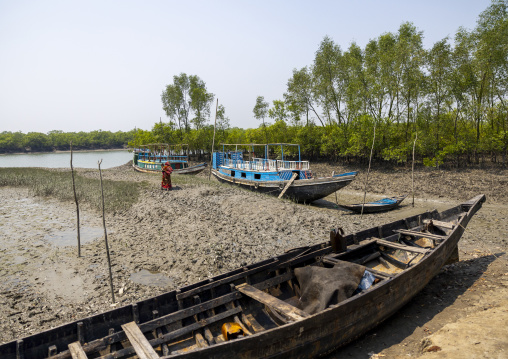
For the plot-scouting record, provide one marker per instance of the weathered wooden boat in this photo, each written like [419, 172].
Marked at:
[381, 205]
[266, 309]
[288, 179]
[150, 158]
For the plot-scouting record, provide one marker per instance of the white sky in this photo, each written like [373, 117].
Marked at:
[90, 65]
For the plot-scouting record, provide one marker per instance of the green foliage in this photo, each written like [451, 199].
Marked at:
[453, 95]
[260, 109]
[278, 112]
[185, 95]
[58, 140]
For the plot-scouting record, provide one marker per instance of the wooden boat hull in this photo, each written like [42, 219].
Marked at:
[192, 170]
[301, 191]
[310, 336]
[373, 207]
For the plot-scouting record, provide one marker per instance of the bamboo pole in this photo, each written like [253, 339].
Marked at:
[413, 171]
[77, 205]
[336, 200]
[106, 236]
[368, 170]
[213, 140]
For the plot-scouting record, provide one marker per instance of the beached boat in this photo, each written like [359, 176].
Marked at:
[300, 304]
[288, 179]
[381, 205]
[150, 158]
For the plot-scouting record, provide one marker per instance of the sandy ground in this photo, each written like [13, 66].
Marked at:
[198, 230]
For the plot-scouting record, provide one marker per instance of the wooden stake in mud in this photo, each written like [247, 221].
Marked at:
[336, 201]
[413, 171]
[213, 140]
[77, 205]
[368, 170]
[106, 236]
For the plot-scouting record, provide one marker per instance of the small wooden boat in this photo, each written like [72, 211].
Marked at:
[381, 205]
[288, 179]
[266, 309]
[150, 158]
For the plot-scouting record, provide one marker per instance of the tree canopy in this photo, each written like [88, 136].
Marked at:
[187, 96]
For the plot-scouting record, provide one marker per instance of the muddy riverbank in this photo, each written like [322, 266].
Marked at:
[201, 229]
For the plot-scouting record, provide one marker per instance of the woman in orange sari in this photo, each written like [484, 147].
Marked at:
[166, 176]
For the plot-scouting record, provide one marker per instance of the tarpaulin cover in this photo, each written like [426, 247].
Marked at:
[321, 287]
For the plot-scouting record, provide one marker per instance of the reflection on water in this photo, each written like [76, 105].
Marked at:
[82, 159]
[153, 279]
[70, 237]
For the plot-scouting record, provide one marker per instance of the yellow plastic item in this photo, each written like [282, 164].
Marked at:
[231, 331]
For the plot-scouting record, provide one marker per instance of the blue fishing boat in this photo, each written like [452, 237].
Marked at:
[273, 173]
[150, 158]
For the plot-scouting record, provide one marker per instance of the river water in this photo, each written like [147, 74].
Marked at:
[82, 159]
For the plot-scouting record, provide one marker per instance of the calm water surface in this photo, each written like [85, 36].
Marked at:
[83, 159]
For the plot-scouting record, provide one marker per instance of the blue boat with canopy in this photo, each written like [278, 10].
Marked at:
[150, 158]
[272, 168]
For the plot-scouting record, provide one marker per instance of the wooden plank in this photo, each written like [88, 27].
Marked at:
[448, 225]
[252, 323]
[275, 303]
[267, 267]
[293, 177]
[420, 234]
[379, 273]
[200, 341]
[77, 351]
[143, 348]
[208, 286]
[103, 343]
[403, 247]
[206, 331]
[179, 332]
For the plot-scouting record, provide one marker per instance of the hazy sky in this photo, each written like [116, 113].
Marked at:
[90, 65]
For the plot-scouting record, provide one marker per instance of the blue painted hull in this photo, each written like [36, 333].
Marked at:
[300, 191]
[183, 171]
[377, 206]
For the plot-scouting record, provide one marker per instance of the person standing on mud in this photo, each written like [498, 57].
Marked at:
[166, 177]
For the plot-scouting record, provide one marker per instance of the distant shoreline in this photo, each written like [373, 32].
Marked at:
[64, 151]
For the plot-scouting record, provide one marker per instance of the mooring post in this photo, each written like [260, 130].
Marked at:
[77, 204]
[413, 171]
[368, 170]
[213, 140]
[106, 236]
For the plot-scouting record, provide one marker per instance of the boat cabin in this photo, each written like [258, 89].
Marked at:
[153, 156]
[245, 163]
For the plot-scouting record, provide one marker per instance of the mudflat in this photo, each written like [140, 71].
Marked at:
[201, 229]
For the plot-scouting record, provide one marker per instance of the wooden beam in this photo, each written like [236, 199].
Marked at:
[448, 225]
[179, 332]
[275, 303]
[252, 323]
[403, 247]
[143, 348]
[100, 344]
[77, 351]
[293, 177]
[380, 273]
[420, 234]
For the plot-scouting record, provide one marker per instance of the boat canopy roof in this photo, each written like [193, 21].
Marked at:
[164, 145]
[266, 146]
